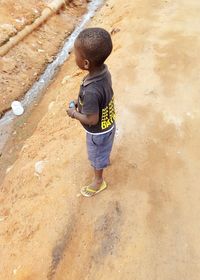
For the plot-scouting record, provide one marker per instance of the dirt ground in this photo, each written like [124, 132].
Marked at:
[24, 64]
[146, 225]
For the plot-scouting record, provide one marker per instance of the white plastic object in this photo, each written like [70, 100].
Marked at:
[17, 108]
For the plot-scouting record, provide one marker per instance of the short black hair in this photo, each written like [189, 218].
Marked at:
[96, 44]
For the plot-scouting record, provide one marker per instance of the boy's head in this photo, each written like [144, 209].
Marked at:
[92, 47]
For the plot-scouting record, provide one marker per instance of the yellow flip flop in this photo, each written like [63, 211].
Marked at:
[88, 192]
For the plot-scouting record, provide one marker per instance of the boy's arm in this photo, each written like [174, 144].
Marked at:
[91, 119]
[89, 114]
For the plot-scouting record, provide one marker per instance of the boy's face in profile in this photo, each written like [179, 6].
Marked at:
[81, 61]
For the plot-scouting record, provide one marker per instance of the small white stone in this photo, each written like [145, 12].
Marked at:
[51, 105]
[16, 269]
[8, 169]
[24, 147]
[22, 20]
[65, 79]
[41, 50]
[39, 166]
[35, 10]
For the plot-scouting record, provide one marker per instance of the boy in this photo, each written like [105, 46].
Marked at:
[95, 102]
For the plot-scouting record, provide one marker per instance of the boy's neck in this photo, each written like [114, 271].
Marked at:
[96, 70]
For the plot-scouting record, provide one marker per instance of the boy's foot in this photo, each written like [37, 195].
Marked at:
[96, 184]
[89, 191]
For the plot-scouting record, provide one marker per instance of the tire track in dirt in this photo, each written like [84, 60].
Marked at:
[94, 237]
[61, 245]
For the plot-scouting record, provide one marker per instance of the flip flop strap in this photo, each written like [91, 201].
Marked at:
[90, 190]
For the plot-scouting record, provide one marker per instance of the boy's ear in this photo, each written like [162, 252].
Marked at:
[86, 64]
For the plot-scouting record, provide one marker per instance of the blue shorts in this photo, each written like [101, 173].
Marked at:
[99, 148]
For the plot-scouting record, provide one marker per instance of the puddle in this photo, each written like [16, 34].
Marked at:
[33, 96]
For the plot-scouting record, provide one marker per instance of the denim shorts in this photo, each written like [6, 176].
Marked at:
[99, 148]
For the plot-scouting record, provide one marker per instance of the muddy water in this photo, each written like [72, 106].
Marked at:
[12, 126]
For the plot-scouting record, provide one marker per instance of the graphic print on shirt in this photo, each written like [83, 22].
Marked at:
[108, 115]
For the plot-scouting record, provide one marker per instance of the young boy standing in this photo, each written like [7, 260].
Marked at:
[95, 105]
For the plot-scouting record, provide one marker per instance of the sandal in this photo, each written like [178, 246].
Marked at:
[88, 192]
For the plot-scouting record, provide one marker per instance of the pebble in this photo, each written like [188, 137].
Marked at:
[16, 269]
[39, 166]
[65, 79]
[8, 169]
[41, 50]
[51, 105]
[22, 20]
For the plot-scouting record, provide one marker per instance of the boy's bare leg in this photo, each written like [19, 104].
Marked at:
[98, 179]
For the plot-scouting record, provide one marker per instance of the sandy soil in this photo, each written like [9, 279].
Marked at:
[15, 15]
[24, 63]
[146, 225]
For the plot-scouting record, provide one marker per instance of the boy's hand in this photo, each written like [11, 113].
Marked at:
[73, 103]
[76, 102]
[71, 112]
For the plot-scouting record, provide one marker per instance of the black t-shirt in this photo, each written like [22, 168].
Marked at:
[96, 96]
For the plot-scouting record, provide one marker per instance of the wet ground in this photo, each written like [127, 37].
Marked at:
[145, 226]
